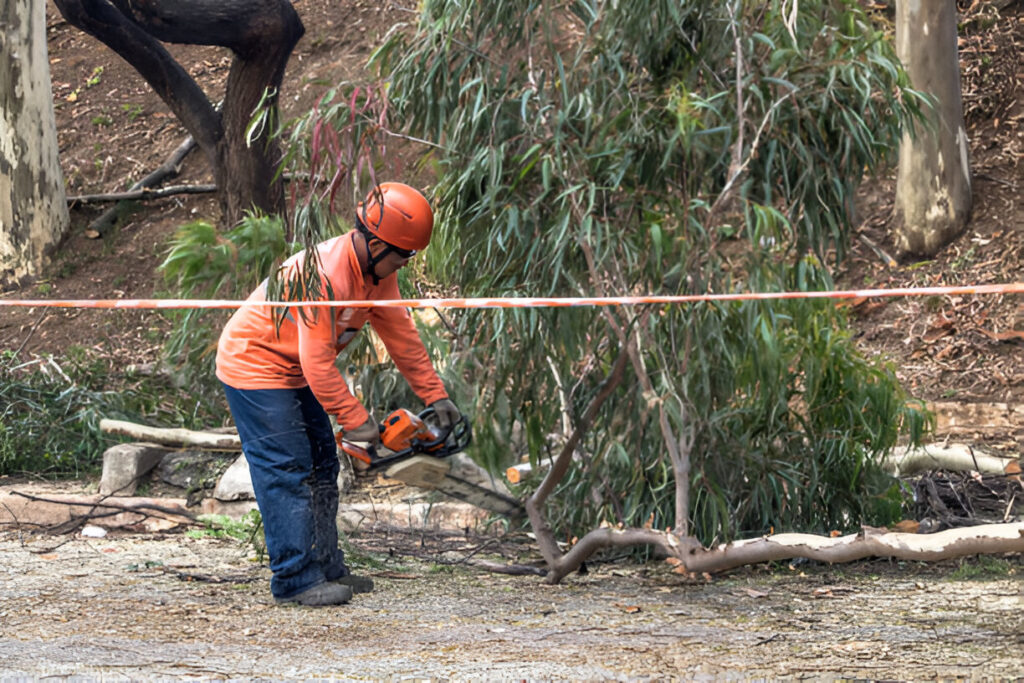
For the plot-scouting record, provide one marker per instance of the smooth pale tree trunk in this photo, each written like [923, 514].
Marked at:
[933, 188]
[33, 208]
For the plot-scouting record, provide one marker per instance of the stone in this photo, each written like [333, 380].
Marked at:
[125, 465]
[235, 483]
[191, 470]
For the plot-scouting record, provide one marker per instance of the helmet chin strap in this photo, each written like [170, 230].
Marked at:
[371, 260]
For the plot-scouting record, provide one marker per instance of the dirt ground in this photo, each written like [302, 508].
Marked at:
[141, 607]
[159, 606]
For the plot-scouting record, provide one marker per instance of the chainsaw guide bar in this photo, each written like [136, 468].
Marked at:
[415, 449]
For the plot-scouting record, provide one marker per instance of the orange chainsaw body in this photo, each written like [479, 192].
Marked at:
[403, 428]
[404, 433]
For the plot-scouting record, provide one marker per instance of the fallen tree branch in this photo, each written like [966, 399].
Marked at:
[140, 508]
[946, 499]
[169, 169]
[502, 568]
[208, 578]
[142, 193]
[145, 193]
[173, 436]
[904, 461]
[870, 542]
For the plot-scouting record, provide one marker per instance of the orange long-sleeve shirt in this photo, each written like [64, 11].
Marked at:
[252, 354]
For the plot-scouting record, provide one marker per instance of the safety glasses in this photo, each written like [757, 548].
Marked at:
[404, 253]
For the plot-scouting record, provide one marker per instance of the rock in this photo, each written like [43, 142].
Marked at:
[125, 464]
[191, 469]
[235, 483]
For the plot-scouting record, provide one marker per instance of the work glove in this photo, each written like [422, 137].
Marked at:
[446, 412]
[369, 432]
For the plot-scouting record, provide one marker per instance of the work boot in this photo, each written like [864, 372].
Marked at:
[321, 595]
[358, 584]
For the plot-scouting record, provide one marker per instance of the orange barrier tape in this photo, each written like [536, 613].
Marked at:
[523, 302]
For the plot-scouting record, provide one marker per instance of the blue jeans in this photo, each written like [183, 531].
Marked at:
[293, 460]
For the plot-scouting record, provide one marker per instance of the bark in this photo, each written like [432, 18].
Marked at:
[260, 33]
[933, 187]
[33, 212]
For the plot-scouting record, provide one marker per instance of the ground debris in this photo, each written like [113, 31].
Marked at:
[955, 499]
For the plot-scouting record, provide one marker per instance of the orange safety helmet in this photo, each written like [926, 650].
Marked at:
[398, 215]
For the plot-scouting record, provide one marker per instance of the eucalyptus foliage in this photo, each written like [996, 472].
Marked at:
[640, 146]
[204, 263]
[657, 146]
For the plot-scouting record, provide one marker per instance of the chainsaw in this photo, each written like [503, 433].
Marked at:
[404, 434]
[416, 450]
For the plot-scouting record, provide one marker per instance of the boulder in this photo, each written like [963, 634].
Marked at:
[236, 482]
[125, 464]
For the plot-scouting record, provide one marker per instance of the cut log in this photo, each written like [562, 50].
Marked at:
[173, 436]
[904, 461]
[426, 472]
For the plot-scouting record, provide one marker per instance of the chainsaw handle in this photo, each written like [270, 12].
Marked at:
[367, 454]
[452, 439]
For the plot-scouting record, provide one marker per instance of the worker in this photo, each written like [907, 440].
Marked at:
[281, 384]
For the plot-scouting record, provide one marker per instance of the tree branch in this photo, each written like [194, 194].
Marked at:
[169, 169]
[142, 193]
[903, 460]
[172, 437]
[535, 503]
[870, 542]
[98, 506]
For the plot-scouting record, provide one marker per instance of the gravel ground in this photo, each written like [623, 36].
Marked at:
[159, 606]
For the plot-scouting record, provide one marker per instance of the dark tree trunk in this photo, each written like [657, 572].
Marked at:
[260, 33]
